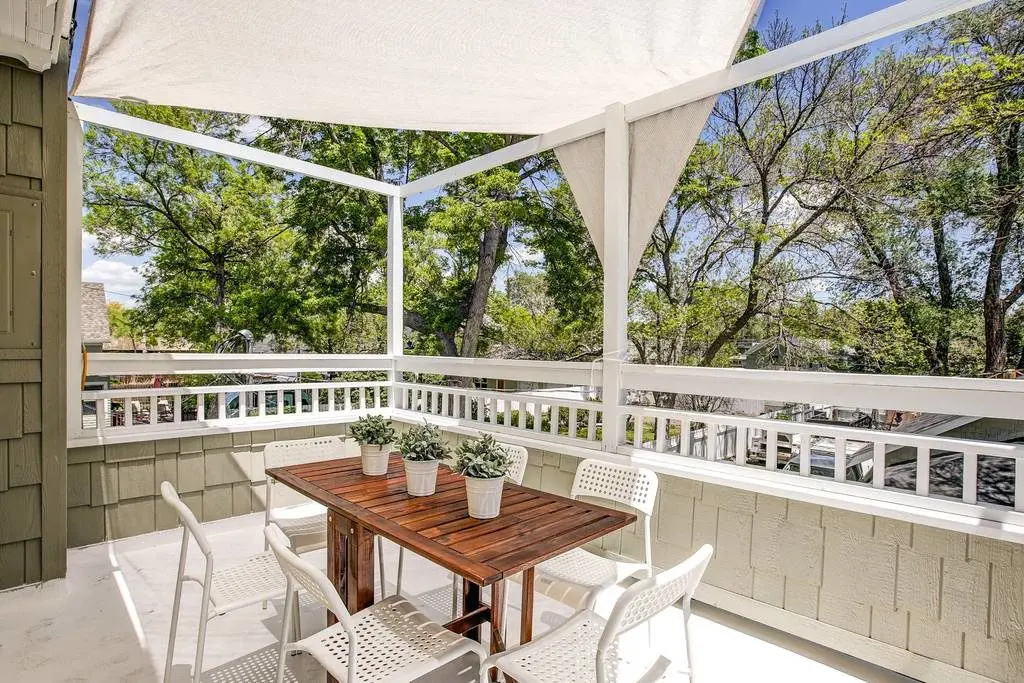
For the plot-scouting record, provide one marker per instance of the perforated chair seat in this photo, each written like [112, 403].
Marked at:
[257, 579]
[569, 653]
[304, 525]
[396, 641]
[578, 577]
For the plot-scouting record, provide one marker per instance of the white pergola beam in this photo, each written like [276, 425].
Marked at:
[159, 131]
[877, 25]
[500, 157]
[881, 24]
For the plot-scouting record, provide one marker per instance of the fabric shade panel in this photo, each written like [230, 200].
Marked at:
[659, 146]
[491, 65]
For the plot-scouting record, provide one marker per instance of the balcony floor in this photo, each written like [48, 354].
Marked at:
[108, 621]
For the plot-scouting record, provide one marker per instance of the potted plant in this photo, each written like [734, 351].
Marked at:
[422, 448]
[375, 436]
[483, 463]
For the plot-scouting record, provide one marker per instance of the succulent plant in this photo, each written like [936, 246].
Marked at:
[423, 443]
[373, 430]
[481, 458]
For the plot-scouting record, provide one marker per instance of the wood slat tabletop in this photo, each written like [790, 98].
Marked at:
[533, 525]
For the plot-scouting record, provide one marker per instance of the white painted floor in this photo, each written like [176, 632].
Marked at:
[108, 621]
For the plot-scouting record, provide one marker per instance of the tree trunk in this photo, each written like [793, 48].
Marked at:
[492, 245]
[1007, 204]
[943, 335]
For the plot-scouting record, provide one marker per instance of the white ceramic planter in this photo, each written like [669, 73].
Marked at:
[375, 459]
[484, 497]
[421, 477]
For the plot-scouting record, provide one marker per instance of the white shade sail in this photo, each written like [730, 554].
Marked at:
[490, 65]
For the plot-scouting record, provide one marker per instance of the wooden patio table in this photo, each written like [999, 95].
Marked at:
[533, 526]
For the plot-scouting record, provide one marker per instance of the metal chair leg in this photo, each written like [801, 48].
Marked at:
[401, 562]
[380, 562]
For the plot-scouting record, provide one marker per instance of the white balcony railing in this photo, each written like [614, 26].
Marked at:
[860, 468]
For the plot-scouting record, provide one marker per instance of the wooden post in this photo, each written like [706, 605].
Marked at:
[616, 270]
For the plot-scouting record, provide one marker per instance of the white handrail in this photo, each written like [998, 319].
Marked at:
[947, 395]
[216, 363]
[585, 374]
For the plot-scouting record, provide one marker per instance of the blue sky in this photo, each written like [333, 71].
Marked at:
[120, 274]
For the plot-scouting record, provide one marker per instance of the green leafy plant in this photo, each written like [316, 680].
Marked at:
[423, 443]
[373, 430]
[481, 458]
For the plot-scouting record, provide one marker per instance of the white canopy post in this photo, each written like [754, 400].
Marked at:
[616, 267]
[396, 292]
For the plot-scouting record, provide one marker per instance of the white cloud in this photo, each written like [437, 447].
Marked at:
[253, 128]
[88, 242]
[118, 278]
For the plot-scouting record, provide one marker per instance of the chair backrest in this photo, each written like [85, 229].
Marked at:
[648, 597]
[309, 577]
[520, 457]
[633, 486]
[170, 496]
[284, 453]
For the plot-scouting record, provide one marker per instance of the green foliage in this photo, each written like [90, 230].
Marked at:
[481, 458]
[373, 430]
[423, 443]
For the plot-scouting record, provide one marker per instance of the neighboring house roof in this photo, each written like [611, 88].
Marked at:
[94, 326]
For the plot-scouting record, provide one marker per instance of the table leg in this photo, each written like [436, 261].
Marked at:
[470, 602]
[526, 625]
[497, 621]
[337, 556]
[359, 577]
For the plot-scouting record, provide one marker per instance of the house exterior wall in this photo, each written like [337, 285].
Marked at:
[33, 244]
[114, 491]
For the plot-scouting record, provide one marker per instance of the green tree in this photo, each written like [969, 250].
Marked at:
[211, 228]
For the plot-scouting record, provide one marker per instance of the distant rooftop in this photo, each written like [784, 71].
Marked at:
[94, 325]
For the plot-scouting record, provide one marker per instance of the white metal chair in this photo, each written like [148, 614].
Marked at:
[585, 648]
[579, 577]
[256, 580]
[389, 641]
[305, 524]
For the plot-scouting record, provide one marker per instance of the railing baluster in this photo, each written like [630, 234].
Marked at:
[261, 404]
[362, 397]
[741, 446]
[711, 449]
[660, 427]
[878, 465]
[924, 464]
[1018, 479]
[376, 397]
[536, 416]
[771, 453]
[555, 411]
[280, 402]
[243, 404]
[101, 414]
[129, 412]
[638, 430]
[521, 407]
[222, 405]
[154, 413]
[840, 459]
[805, 454]
[591, 425]
[684, 438]
[348, 398]
[971, 478]
[573, 416]
[331, 407]
[200, 407]
[177, 408]
[508, 411]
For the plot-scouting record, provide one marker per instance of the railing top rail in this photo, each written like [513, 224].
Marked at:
[1001, 398]
[553, 372]
[212, 363]
[523, 396]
